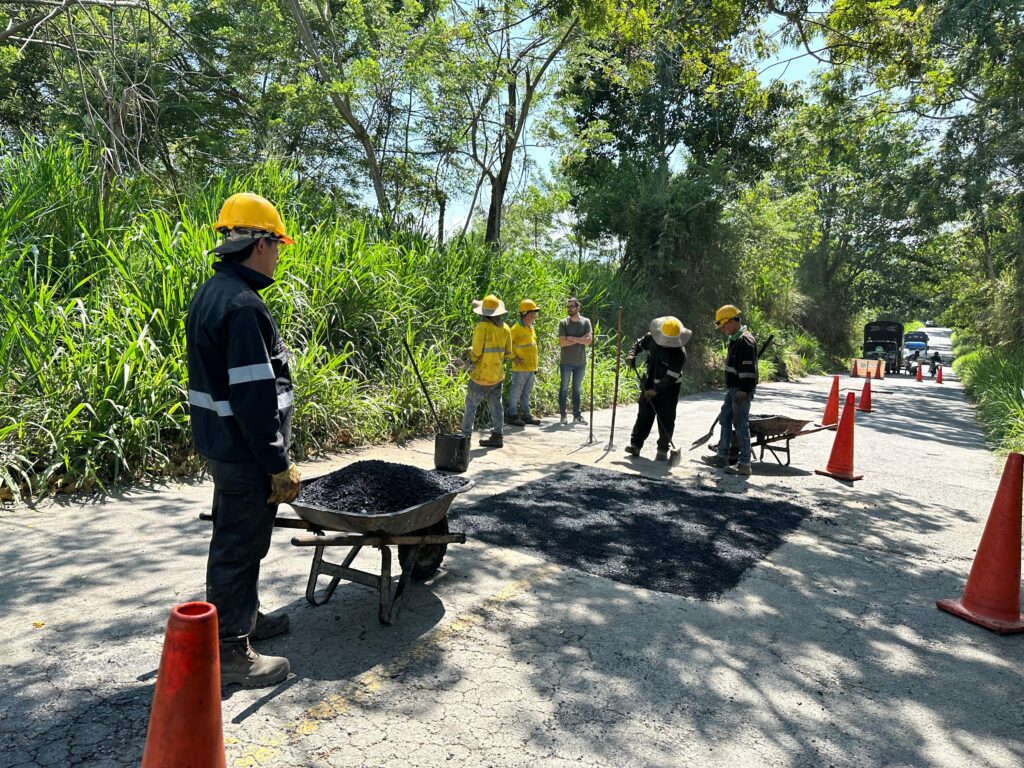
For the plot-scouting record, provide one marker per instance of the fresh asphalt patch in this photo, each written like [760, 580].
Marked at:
[646, 532]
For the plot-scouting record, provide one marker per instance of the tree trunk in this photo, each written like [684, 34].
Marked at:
[493, 235]
[515, 119]
[341, 103]
[441, 200]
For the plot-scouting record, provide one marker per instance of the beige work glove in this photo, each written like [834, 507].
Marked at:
[285, 486]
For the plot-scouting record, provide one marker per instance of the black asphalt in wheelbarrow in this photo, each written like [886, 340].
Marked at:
[646, 532]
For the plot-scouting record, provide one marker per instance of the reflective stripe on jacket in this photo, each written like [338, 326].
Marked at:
[664, 364]
[491, 345]
[524, 345]
[240, 387]
[741, 363]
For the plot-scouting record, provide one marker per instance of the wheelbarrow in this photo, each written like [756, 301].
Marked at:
[420, 532]
[771, 433]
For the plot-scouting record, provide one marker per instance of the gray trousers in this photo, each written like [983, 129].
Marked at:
[242, 525]
[476, 394]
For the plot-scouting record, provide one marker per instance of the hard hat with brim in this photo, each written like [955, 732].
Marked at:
[246, 211]
[528, 305]
[725, 313]
[668, 331]
[489, 306]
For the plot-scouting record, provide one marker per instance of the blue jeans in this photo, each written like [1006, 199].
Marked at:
[476, 394]
[736, 415]
[519, 393]
[576, 371]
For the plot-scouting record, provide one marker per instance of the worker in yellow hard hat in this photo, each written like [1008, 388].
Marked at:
[665, 348]
[492, 345]
[240, 407]
[524, 365]
[740, 383]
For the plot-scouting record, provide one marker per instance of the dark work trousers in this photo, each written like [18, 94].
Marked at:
[660, 408]
[242, 525]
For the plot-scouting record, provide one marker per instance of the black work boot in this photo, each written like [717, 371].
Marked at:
[240, 664]
[515, 421]
[496, 440]
[633, 450]
[269, 626]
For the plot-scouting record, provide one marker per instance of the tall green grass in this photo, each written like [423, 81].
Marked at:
[95, 283]
[993, 377]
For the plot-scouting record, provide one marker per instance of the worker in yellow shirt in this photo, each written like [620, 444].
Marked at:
[492, 343]
[524, 364]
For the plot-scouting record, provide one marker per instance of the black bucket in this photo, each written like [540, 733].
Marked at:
[451, 452]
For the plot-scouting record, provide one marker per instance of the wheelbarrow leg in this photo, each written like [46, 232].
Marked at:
[384, 586]
[391, 599]
[319, 568]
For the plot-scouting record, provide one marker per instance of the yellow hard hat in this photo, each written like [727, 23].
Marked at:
[247, 211]
[726, 313]
[528, 305]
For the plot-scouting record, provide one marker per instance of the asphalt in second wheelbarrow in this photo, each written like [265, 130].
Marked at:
[642, 531]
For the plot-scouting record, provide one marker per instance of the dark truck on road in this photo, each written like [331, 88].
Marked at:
[883, 340]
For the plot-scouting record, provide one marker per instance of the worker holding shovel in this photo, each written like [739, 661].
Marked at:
[665, 346]
[740, 383]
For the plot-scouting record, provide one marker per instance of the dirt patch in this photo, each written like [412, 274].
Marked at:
[377, 487]
[646, 532]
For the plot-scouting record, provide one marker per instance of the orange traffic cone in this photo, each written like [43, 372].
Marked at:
[992, 595]
[917, 376]
[185, 725]
[938, 376]
[865, 397]
[853, 369]
[832, 406]
[840, 462]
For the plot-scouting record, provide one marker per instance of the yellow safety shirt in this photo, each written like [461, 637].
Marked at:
[524, 345]
[491, 345]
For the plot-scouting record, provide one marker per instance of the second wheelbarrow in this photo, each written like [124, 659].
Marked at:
[771, 433]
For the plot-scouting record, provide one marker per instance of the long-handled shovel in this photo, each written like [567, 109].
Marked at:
[675, 456]
[703, 439]
[440, 427]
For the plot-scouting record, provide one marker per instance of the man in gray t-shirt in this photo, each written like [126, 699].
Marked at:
[574, 336]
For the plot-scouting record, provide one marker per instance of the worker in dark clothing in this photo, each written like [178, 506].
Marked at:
[740, 383]
[665, 348]
[240, 404]
[935, 362]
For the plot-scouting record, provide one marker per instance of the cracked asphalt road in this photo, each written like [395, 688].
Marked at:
[828, 652]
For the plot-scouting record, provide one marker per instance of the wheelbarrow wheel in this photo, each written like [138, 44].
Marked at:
[429, 557]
